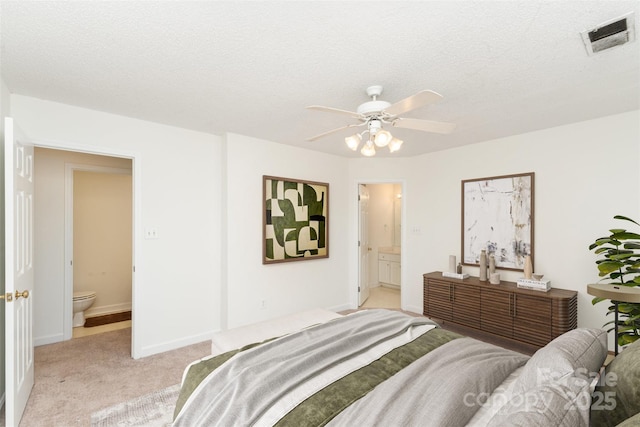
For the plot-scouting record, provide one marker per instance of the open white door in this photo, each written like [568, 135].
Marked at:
[363, 244]
[18, 200]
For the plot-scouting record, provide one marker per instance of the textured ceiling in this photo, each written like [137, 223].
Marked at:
[503, 67]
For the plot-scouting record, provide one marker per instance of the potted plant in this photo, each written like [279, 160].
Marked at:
[619, 263]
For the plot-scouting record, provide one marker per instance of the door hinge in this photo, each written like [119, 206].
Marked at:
[358, 197]
[358, 288]
[134, 268]
[358, 243]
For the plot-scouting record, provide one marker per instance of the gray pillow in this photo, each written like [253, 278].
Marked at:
[617, 396]
[554, 386]
[564, 403]
[576, 353]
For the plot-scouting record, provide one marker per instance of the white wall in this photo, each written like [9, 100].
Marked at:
[284, 287]
[585, 174]
[177, 189]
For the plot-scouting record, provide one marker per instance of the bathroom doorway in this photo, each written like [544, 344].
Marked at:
[100, 217]
[54, 178]
[384, 229]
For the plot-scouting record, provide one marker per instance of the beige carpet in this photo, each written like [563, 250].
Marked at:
[78, 377]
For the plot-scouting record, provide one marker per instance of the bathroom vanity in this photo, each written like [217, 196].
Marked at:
[389, 265]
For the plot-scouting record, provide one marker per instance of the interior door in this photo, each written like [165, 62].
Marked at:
[363, 240]
[18, 167]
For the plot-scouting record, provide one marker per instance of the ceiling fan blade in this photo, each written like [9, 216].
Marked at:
[313, 138]
[411, 103]
[424, 125]
[335, 110]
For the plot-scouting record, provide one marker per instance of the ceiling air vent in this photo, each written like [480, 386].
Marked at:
[609, 34]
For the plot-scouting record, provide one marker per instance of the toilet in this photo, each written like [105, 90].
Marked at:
[81, 302]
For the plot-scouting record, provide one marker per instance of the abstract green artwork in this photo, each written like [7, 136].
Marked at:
[295, 219]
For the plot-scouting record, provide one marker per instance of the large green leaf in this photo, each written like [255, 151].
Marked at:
[627, 339]
[621, 256]
[609, 266]
[617, 230]
[631, 245]
[632, 319]
[616, 275]
[625, 307]
[625, 218]
[604, 240]
[625, 235]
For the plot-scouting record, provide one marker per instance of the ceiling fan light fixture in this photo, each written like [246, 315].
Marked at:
[395, 145]
[383, 138]
[376, 113]
[368, 149]
[353, 141]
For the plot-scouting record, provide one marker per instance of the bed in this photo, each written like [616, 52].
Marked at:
[384, 367]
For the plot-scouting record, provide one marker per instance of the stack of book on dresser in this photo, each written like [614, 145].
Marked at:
[535, 285]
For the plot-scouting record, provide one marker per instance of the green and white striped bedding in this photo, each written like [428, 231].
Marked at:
[370, 367]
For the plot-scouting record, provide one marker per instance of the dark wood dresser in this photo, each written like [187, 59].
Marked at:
[532, 318]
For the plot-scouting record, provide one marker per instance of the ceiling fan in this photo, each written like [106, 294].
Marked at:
[375, 113]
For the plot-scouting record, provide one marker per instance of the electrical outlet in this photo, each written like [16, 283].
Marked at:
[151, 233]
[263, 304]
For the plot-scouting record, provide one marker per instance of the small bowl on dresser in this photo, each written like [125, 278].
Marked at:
[538, 277]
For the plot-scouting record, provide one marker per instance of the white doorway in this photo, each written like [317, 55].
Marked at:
[54, 270]
[380, 226]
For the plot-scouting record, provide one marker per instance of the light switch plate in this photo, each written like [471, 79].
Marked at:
[151, 233]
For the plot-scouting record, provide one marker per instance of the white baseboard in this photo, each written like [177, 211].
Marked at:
[414, 309]
[49, 339]
[107, 309]
[342, 307]
[172, 345]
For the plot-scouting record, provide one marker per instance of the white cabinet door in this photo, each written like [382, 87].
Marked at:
[384, 273]
[394, 273]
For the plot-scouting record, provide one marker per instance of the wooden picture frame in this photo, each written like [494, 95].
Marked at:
[498, 215]
[295, 220]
